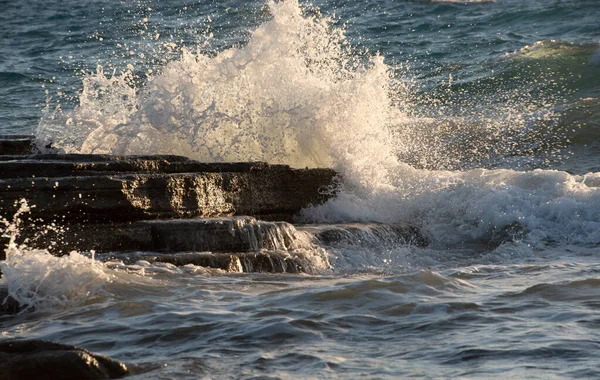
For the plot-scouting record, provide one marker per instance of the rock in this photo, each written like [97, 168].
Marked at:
[223, 234]
[204, 212]
[8, 305]
[158, 189]
[241, 262]
[367, 234]
[234, 244]
[509, 233]
[68, 165]
[237, 234]
[98, 200]
[41, 359]
[16, 144]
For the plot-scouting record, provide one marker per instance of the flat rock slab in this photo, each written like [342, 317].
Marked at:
[68, 188]
[240, 262]
[70, 165]
[41, 359]
[16, 144]
[222, 234]
[169, 204]
[233, 244]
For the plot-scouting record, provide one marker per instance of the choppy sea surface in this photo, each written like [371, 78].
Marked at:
[477, 121]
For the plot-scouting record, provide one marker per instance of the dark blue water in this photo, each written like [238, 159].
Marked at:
[48, 42]
[479, 122]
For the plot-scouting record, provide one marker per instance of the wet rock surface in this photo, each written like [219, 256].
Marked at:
[239, 262]
[367, 234]
[16, 144]
[186, 212]
[272, 192]
[41, 359]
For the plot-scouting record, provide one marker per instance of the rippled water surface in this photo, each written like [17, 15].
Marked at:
[476, 121]
[533, 319]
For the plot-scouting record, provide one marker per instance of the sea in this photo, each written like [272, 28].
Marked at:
[476, 121]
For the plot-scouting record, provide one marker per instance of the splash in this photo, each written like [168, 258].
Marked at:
[296, 94]
[39, 281]
[291, 95]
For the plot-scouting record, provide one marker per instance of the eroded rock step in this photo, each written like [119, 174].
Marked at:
[272, 192]
[244, 244]
[70, 165]
[221, 234]
[224, 234]
[234, 244]
[120, 203]
[240, 262]
[16, 144]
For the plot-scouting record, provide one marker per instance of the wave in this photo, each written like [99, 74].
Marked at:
[296, 94]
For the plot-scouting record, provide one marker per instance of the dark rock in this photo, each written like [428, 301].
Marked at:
[170, 204]
[368, 234]
[224, 234]
[40, 359]
[16, 144]
[8, 305]
[69, 165]
[241, 262]
[236, 234]
[270, 192]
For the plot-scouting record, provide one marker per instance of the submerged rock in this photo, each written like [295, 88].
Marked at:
[41, 359]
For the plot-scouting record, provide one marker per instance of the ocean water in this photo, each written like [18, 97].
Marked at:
[477, 121]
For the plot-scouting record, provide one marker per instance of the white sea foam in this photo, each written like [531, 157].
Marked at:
[41, 281]
[293, 94]
[38, 280]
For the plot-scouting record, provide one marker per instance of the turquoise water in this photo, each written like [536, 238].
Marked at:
[476, 121]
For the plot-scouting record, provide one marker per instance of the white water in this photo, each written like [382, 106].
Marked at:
[295, 95]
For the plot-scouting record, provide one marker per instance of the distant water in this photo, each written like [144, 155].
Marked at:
[478, 121]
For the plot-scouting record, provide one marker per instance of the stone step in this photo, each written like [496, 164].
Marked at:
[273, 192]
[235, 244]
[223, 234]
[239, 262]
[69, 165]
[16, 144]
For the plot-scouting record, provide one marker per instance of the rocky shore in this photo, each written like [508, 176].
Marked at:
[232, 216]
[111, 203]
